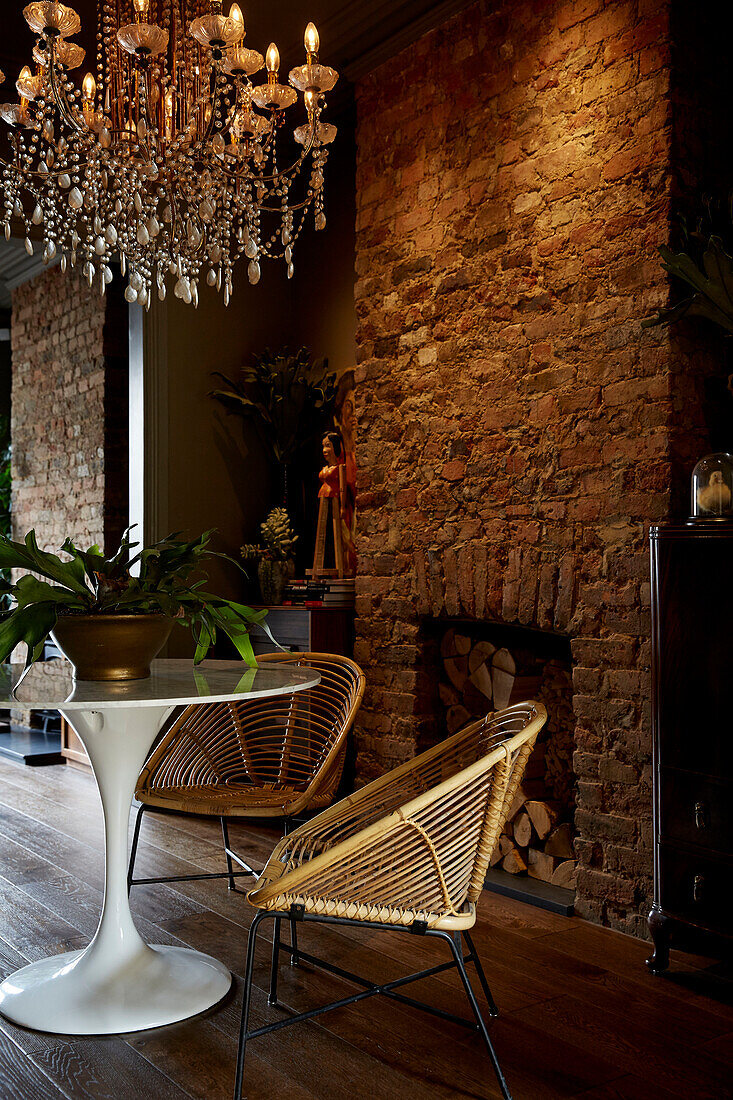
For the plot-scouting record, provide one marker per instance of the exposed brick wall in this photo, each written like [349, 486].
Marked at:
[518, 430]
[67, 406]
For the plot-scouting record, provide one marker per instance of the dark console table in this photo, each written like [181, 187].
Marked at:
[308, 630]
[692, 685]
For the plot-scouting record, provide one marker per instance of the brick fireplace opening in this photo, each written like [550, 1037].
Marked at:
[476, 667]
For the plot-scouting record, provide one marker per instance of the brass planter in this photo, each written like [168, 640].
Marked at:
[112, 647]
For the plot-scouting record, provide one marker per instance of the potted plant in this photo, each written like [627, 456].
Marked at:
[275, 565]
[290, 399]
[109, 623]
[704, 267]
[708, 272]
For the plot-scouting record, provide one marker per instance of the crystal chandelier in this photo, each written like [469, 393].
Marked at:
[169, 156]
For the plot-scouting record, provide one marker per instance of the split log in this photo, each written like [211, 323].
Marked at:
[522, 829]
[475, 700]
[457, 669]
[481, 654]
[560, 842]
[565, 874]
[536, 766]
[544, 816]
[503, 671]
[540, 865]
[517, 804]
[514, 863]
[525, 687]
[448, 695]
[534, 788]
[457, 718]
[503, 848]
[448, 645]
[462, 643]
[480, 677]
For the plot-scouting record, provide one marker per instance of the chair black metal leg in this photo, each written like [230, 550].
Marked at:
[133, 849]
[294, 957]
[272, 997]
[231, 858]
[458, 956]
[241, 1051]
[493, 1010]
[230, 867]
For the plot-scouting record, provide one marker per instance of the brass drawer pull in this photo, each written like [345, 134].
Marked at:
[697, 886]
[700, 815]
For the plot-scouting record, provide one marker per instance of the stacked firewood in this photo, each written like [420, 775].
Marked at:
[538, 835]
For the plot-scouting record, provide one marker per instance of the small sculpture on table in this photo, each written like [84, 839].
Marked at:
[336, 496]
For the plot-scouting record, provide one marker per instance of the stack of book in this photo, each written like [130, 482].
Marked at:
[320, 592]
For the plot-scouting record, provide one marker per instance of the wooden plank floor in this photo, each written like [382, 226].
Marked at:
[580, 1015]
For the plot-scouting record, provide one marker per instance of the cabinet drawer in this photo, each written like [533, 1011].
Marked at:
[696, 888]
[696, 810]
[290, 626]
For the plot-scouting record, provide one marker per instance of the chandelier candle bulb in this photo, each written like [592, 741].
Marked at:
[168, 121]
[272, 61]
[28, 86]
[236, 17]
[312, 43]
[89, 87]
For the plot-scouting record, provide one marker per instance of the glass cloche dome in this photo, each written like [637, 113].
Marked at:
[712, 488]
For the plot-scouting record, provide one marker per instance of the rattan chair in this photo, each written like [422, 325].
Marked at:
[408, 852]
[263, 758]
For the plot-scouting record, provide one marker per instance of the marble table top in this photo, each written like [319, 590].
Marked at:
[50, 685]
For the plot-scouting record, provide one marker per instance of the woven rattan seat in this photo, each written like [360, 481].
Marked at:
[416, 844]
[264, 758]
[408, 852]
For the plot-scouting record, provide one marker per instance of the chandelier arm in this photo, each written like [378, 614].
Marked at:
[150, 128]
[26, 172]
[214, 97]
[269, 142]
[285, 173]
[60, 99]
[291, 209]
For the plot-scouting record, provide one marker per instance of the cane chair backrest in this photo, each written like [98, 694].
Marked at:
[417, 841]
[281, 742]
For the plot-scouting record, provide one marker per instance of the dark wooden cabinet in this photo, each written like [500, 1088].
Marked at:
[692, 720]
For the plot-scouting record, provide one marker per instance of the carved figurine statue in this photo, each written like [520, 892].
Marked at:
[336, 495]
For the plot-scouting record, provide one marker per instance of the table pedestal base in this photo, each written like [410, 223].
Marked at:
[119, 983]
[72, 994]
